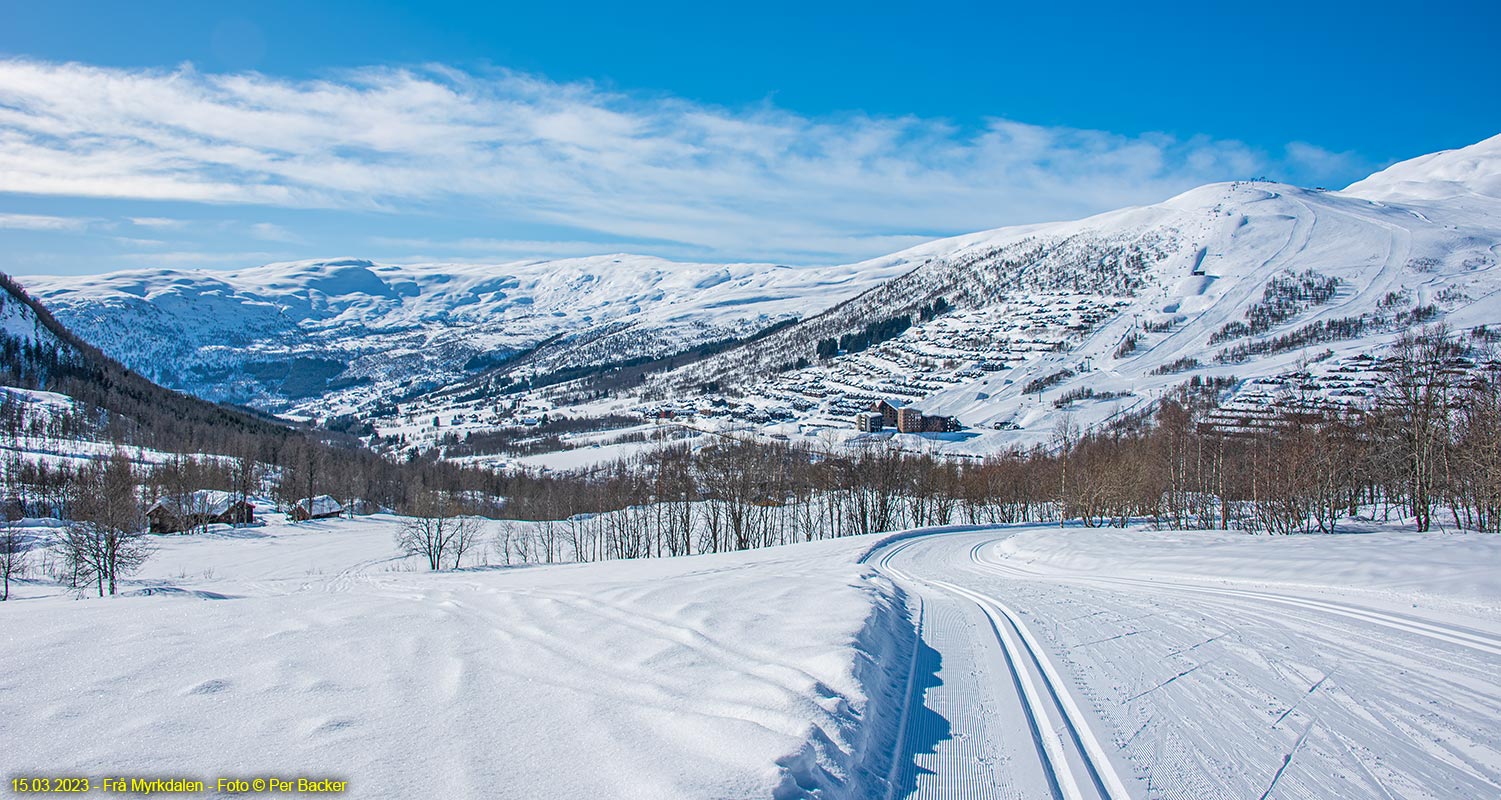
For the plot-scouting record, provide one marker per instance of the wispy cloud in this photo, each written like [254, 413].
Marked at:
[203, 258]
[271, 232]
[757, 182]
[1320, 164]
[39, 222]
[136, 241]
[158, 222]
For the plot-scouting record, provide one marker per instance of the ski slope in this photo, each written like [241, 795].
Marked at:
[1111, 313]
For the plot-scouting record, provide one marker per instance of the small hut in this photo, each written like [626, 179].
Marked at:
[321, 507]
[203, 507]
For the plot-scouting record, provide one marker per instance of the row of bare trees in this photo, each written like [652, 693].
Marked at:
[1428, 451]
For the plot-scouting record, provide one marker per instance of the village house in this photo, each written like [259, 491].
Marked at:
[321, 507]
[203, 507]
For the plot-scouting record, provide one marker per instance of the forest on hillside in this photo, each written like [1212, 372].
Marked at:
[1428, 452]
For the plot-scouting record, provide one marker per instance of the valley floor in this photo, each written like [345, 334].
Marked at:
[1053, 662]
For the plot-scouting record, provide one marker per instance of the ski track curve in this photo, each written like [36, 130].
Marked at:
[1030, 683]
[1448, 633]
[1015, 728]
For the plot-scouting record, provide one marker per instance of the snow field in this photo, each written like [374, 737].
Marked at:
[1067, 662]
[315, 649]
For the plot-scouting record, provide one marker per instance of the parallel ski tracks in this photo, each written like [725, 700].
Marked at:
[1069, 752]
[1449, 634]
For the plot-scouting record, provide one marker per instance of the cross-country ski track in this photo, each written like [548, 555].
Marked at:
[1044, 680]
[1021, 661]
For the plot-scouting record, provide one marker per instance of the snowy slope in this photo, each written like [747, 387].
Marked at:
[1106, 314]
[1168, 664]
[1204, 665]
[316, 650]
[1437, 177]
[20, 322]
[239, 335]
[1387, 261]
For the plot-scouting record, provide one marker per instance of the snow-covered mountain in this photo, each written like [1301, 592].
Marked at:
[1261, 287]
[291, 335]
[74, 392]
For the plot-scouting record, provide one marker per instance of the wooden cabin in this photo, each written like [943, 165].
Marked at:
[201, 508]
[321, 507]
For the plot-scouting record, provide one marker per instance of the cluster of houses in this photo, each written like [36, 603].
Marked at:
[956, 348]
[208, 506]
[891, 413]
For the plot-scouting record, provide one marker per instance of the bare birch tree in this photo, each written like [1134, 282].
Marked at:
[106, 538]
[438, 531]
[14, 554]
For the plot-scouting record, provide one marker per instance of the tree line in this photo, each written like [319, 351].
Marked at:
[1427, 452]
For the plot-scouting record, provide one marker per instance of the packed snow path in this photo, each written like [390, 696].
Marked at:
[1038, 678]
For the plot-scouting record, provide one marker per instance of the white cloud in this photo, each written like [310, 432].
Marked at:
[755, 182]
[271, 232]
[1320, 164]
[39, 222]
[158, 222]
[135, 241]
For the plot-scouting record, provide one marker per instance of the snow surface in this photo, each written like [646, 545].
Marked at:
[316, 649]
[1473, 170]
[1151, 663]
[1203, 664]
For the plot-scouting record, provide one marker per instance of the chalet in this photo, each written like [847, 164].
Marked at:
[203, 507]
[320, 507]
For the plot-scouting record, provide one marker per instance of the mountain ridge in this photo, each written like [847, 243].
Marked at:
[420, 322]
[1121, 306]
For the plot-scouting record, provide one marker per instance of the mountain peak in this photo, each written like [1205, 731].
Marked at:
[1472, 170]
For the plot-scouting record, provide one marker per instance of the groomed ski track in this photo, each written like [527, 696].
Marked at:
[1032, 682]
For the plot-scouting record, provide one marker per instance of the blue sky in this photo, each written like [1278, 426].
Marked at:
[231, 134]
